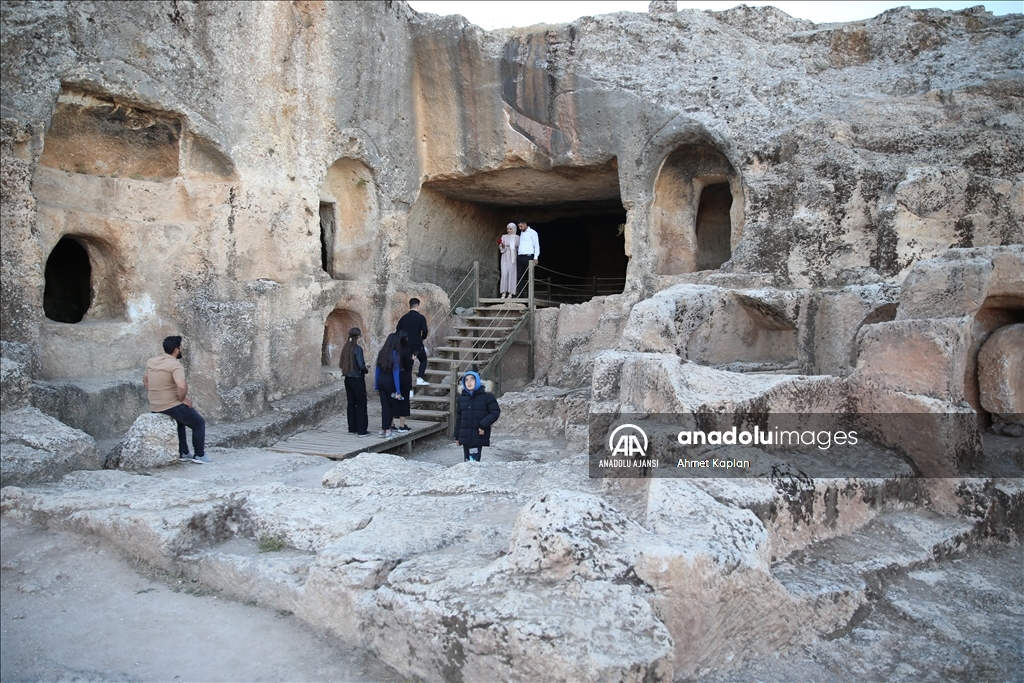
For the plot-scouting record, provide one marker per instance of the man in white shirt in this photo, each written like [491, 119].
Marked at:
[529, 250]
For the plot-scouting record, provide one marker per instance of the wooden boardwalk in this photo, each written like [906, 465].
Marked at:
[337, 444]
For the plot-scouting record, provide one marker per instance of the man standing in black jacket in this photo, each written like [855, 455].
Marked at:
[415, 325]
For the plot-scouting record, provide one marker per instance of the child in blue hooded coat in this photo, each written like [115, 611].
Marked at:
[475, 411]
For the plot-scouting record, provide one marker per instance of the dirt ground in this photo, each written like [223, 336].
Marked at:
[75, 610]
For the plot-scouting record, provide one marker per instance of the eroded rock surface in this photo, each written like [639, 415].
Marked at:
[513, 569]
[809, 219]
[37, 448]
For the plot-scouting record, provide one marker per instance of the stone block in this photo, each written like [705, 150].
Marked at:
[663, 383]
[540, 410]
[39, 448]
[100, 406]
[717, 326]
[152, 441]
[939, 437]
[1001, 378]
[562, 534]
[961, 281]
[839, 317]
[927, 357]
[708, 565]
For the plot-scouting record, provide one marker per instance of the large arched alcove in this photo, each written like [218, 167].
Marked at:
[349, 220]
[101, 136]
[583, 250]
[697, 216]
[577, 212]
[336, 328]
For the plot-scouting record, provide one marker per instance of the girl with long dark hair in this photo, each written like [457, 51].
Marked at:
[387, 384]
[353, 366]
[404, 381]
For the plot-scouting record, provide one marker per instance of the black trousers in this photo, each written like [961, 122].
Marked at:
[522, 266]
[189, 417]
[421, 355]
[472, 452]
[389, 409]
[355, 390]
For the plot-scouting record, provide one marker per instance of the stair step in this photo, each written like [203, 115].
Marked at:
[436, 371]
[458, 362]
[479, 339]
[497, 316]
[832, 577]
[902, 538]
[461, 350]
[430, 399]
[427, 414]
[513, 316]
[473, 328]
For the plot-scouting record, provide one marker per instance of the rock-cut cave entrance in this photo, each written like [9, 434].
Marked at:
[713, 226]
[577, 213]
[583, 251]
[67, 293]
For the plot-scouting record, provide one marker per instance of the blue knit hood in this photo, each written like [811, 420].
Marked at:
[479, 382]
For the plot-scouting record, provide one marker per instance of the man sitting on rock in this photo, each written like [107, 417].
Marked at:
[164, 378]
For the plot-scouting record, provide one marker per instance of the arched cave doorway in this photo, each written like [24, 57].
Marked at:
[697, 216]
[349, 220]
[336, 328]
[713, 226]
[576, 211]
[328, 231]
[67, 294]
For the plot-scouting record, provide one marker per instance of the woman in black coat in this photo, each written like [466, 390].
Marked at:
[387, 384]
[475, 411]
[405, 382]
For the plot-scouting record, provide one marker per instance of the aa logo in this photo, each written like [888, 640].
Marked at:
[631, 441]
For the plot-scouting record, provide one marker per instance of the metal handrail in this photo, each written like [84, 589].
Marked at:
[580, 277]
[495, 354]
[452, 297]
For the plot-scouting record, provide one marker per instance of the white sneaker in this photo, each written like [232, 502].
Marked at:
[420, 382]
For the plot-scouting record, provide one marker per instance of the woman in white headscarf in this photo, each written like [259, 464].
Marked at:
[508, 244]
